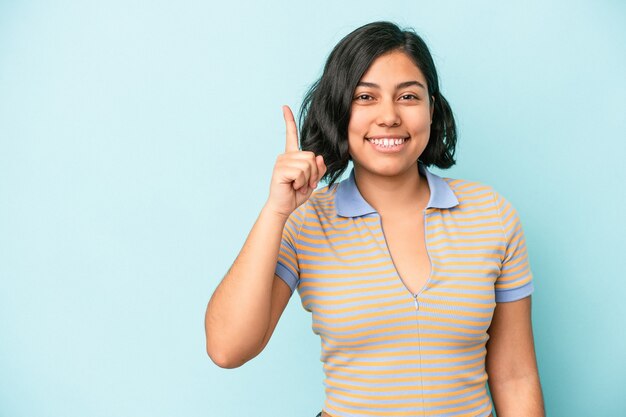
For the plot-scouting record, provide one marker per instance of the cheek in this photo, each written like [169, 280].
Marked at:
[419, 120]
[358, 122]
[420, 128]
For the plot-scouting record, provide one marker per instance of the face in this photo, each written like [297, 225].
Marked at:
[390, 118]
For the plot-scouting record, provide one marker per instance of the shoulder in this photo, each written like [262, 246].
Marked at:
[321, 203]
[469, 192]
[323, 195]
[475, 195]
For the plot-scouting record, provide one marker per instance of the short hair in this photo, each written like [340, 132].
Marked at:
[326, 108]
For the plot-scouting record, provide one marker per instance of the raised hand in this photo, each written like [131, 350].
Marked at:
[296, 173]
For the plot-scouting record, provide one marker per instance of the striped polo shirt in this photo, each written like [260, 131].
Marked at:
[388, 352]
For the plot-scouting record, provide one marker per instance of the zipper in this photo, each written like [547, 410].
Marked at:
[417, 322]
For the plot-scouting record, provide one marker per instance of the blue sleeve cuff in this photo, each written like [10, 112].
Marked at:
[514, 294]
[286, 275]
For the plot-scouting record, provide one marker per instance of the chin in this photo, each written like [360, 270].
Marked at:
[389, 170]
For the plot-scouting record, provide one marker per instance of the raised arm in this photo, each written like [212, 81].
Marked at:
[245, 307]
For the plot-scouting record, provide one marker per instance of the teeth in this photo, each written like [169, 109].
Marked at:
[386, 142]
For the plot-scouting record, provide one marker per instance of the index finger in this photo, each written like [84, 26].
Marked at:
[291, 145]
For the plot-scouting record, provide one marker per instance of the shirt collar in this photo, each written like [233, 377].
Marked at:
[350, 203]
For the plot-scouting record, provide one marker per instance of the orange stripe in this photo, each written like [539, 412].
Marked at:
[434, 242]
[473, 251]
[308, 275]
[443, 232]
[401, 413]
[364, 290]
[327, 283]
[331, 255]
[349, 229]
[337, 246]
[514, 284]
[393, 338]
[329, 349]
[486, 297]
[348, 392]
[452, 228]
[465, 263]
[384, 355]
[329, 304]
[430, 388]
[347, 267]
[373, 237]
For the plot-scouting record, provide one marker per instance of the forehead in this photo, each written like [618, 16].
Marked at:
[396, 66]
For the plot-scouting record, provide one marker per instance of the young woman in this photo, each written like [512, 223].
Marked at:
[419, 286]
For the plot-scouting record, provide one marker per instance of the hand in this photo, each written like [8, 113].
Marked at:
[296, 173]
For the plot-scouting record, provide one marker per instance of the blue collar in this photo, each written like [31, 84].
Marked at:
[350, 203]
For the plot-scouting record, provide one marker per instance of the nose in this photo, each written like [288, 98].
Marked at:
[388, 114]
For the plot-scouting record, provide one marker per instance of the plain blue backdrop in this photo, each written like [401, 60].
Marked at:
[137, 141]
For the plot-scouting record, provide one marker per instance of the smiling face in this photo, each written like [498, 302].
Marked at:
[390, 117]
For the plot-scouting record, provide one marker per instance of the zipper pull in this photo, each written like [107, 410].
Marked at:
[415, 299]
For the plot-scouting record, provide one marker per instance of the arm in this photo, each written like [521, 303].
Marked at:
[245, 307]
[511, 363]
[238, 314]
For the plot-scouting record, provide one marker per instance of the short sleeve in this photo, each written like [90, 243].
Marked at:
[287, 265]
[516, 279]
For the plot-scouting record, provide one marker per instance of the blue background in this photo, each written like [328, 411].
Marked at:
[137, 141]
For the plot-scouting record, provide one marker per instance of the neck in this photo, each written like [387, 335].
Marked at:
[394, 194]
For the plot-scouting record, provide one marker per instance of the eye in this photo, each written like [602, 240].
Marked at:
[363, 97]
[409, 97]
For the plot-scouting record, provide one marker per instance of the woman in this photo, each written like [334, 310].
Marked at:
[419, 286]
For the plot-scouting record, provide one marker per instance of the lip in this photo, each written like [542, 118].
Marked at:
[387, 137]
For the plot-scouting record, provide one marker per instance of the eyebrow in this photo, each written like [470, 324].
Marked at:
[399, 86]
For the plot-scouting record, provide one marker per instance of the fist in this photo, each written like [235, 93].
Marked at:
[296, 173]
